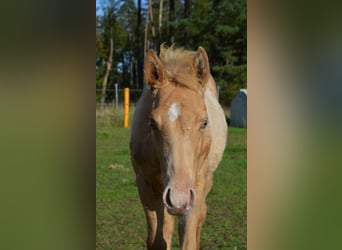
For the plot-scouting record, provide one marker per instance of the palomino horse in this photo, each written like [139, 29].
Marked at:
[178, 137]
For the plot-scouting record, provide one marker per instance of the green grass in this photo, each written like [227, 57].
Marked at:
[120, 220]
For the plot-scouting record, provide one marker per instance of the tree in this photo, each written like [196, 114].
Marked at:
[139, 48]
[160, 22]
[171, 20]
[105, 44]
[186, 16]
[127, 22]
[229, 46]
[150, 12]
[107, 72]
[218, 25]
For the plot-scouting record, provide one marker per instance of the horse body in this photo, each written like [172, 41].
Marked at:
[177, 140]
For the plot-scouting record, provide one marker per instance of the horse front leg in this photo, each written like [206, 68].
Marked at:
[201, 220]
[167, 227]
[160, 228]
[190, 225]
[189, 228]
[159, 223]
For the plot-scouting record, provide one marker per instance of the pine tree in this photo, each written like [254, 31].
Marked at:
[217, 25]
[229, 46]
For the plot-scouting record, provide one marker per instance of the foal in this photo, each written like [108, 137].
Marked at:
[178, 137]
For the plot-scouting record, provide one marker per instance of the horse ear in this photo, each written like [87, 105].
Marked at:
[201, 65]
[154, 70]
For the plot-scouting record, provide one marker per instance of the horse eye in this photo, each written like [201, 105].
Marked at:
[204, 123]
[153, 124]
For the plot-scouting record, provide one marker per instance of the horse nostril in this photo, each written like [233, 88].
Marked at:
[192, 197]
[166, 198]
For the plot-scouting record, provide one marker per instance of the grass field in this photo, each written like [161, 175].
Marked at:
[120, 220]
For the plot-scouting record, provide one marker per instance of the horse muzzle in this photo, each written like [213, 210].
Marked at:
[179, 201]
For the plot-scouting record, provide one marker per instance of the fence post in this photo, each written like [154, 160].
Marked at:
[126, 107]
[116, 97]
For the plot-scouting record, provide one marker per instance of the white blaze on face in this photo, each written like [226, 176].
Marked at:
[174, 112]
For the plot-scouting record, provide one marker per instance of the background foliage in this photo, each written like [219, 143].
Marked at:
[218, 25]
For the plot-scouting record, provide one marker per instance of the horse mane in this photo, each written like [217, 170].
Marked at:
[178, 66]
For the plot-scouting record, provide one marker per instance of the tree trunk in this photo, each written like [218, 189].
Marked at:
[146, 47]
[139, 49]
[186, 16]
[171, 20]
[138, 41]
[106, 75]
[131, 69]
[150, 10]
[160, 23]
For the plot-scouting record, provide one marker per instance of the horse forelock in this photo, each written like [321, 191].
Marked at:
[178, 66]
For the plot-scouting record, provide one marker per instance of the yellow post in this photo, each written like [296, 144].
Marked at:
[126, 107]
